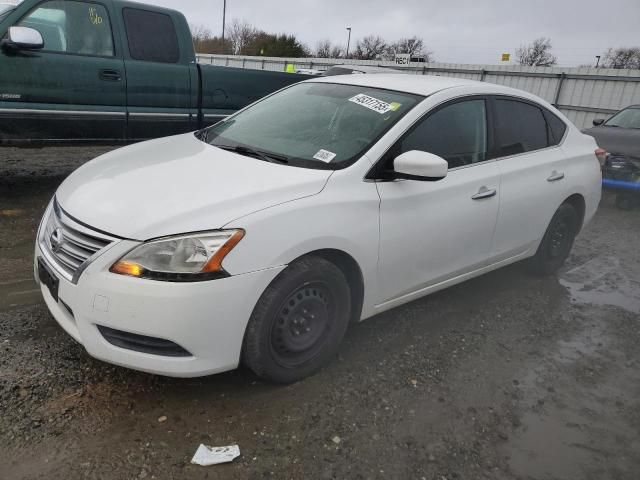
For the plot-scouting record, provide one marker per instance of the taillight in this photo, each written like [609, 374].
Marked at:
[601, 153]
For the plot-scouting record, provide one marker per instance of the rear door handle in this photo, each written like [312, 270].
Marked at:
[110, 75]
[555, 176]
[484, 192]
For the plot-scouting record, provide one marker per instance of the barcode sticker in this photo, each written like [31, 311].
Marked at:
[324, 155]
[372, 103]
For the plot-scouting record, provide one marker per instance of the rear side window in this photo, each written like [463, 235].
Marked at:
[151, 36]
[556, 128]
[520, 127]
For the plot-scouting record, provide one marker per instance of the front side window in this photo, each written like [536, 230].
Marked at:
[627, 118]
[151, 36]
[72, 27]
[315, 125]
[456, 132]
[520, 127]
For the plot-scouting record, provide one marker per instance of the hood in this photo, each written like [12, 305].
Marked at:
[177, 185]
[625, 141]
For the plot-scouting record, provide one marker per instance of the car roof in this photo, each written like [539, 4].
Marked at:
[416, 84]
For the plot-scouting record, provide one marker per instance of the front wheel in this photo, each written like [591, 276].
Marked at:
[557, 241]
[299, 321]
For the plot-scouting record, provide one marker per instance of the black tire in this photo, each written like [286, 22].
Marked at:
[299, 321]
[557, 241]
[626, 201]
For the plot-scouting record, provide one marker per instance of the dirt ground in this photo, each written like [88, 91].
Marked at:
[506, 376]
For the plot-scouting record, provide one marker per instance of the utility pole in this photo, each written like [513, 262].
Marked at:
[348, 42]
[224, 17]
[597, 60]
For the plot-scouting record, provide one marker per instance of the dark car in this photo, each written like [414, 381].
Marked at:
[620, 137]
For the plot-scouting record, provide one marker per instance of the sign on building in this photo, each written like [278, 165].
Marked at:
[506, 57]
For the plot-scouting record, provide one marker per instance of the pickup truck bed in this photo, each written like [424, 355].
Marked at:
[111, 70]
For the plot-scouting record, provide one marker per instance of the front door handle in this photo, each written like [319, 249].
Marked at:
[110, 75]
[484, 192]
[555, 176]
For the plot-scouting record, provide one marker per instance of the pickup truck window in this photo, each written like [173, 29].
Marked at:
[151, 36]
[314, 125]
[72, 27]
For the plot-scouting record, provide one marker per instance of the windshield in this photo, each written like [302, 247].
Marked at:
[315, 125]
[5, 9]
[627, 118]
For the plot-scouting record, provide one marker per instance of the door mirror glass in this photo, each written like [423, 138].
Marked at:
[598, 121]
[418, 165]
[23, 38]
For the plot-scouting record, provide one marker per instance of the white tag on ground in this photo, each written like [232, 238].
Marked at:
[206, 456]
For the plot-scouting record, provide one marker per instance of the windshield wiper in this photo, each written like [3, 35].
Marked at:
[248, 151]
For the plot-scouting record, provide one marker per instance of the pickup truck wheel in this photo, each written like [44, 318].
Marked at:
[299, 321]
[557, 241]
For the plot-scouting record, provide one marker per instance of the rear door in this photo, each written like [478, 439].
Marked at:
[533, 174]
[74, 88]
[159, 74]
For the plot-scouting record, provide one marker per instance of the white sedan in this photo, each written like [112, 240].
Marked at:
[258, 240]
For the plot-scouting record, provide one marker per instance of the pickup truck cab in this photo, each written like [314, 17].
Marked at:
[111, 70]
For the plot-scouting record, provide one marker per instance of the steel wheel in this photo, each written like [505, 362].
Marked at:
[302, 325]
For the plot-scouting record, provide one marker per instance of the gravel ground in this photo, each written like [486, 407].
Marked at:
[506, 376]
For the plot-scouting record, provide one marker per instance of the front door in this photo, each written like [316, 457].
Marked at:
[434, 231]
[74, 88]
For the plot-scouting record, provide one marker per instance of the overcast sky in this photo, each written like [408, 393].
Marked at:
[457, 31]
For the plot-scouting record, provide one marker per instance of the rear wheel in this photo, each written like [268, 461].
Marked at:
[299, 321]
[557, 241]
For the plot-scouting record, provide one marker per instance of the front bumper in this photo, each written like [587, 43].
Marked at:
[207, 319]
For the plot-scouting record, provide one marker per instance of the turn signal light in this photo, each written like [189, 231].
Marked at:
[215, 264]
[127, 268]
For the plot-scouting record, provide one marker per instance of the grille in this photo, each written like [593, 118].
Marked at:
[69, 245]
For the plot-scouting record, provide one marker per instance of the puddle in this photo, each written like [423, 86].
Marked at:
[603, 280]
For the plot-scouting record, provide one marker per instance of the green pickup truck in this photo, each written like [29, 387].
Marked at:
[110, 70]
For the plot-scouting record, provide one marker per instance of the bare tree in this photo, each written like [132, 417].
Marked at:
[337, 51]
[370, 47]
[414, 46]
[323, 49]
[200, 34]
[537, 54]
[241, 34]
[622, 58]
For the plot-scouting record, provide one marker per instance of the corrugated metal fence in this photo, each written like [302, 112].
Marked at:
[582, 94]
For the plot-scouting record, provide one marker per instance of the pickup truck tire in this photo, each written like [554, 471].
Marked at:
[557, 241]
[298, 322]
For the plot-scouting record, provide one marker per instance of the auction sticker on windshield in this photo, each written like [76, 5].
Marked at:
[372, 103]
[324, 155]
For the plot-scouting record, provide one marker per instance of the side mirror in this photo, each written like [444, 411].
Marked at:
[598, 121]
[23, 38]
[418, 165]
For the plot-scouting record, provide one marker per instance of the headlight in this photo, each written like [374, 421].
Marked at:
[184, 258]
